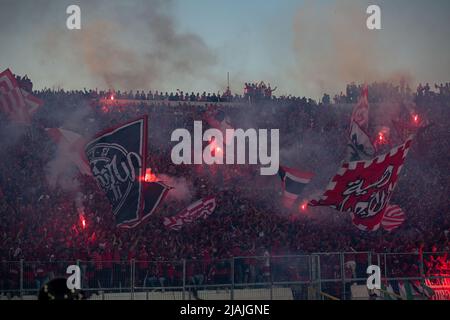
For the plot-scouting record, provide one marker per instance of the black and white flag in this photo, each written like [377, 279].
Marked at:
[117, 158]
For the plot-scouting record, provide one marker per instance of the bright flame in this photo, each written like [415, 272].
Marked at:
[416, 118]
[381, 137]
[149, 176]
[304, 206]
[83, 222]
[112, 97]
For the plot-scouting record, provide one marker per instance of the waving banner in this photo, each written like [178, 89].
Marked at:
[293, 181]
[201, 209]
[12, 102]
[364, 188]
[360, 113]
[117, 159]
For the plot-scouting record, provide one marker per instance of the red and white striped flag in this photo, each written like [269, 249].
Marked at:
[31, 102]
[393, 217]
[12, 102]
[201, 209]
[364, 188]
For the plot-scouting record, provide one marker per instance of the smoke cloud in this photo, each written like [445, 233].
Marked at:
[333, 47]
[60, 172]
[182, 188]
[149, 52]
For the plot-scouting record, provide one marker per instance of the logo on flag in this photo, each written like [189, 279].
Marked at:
[359, 147]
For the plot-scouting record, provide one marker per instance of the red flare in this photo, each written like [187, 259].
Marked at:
[149, 176]
[304, 206]
[83, 222]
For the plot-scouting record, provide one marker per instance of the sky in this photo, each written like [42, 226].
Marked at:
[305, 48]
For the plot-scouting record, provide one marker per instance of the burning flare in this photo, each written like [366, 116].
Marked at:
[415, 118]
[83, 221]
[149, 176]
[304, 206]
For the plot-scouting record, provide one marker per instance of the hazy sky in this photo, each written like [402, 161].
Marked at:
[303, 47]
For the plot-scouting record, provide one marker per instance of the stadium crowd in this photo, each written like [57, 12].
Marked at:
[40, 222]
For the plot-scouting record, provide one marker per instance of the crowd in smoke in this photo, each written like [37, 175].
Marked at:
[40, 222]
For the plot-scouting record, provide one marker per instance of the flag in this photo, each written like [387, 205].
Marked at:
[422, 289]
[360, 113]
[33, 103]
[117, 158]
[359, 147]
[364, 188]
[390, 290]
[154, 194]
[406, 290]
[410, 290]
[393, 218]
[71, 145]
[12, 102]
[293, 181]
[201, 209]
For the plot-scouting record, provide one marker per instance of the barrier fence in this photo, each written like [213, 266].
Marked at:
[313, 276]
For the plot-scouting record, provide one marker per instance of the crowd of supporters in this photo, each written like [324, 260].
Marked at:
[40, 222]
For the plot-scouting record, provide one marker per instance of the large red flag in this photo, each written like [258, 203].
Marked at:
[364, 188]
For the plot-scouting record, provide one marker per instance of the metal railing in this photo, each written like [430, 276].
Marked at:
[312, 276]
